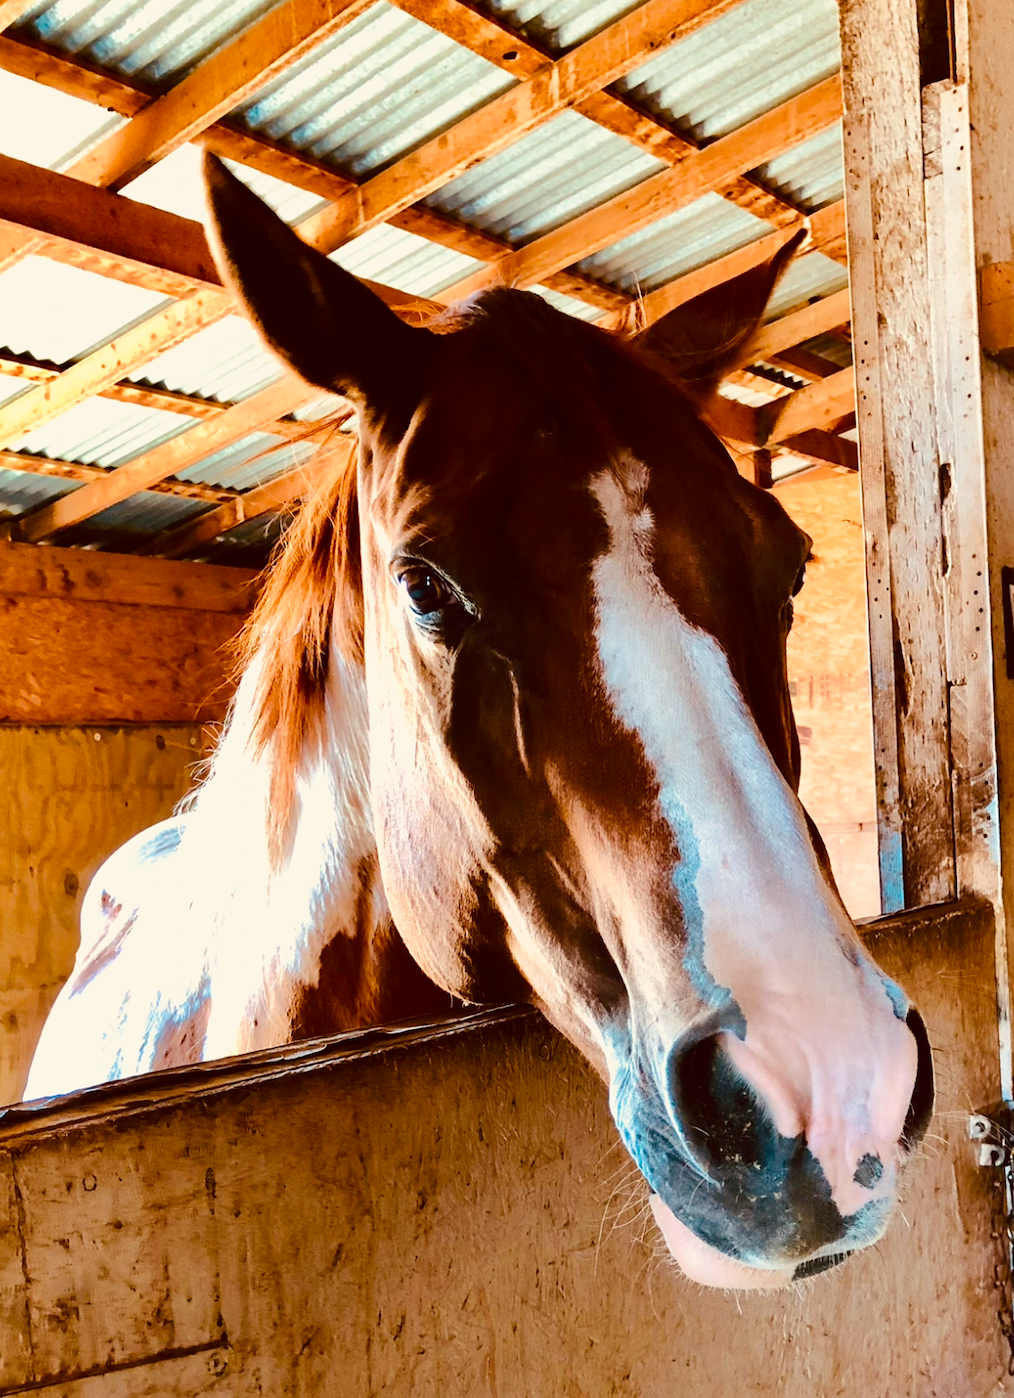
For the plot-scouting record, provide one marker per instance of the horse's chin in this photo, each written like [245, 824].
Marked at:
[706, 1265]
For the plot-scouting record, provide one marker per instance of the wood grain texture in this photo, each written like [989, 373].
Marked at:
[69, 798]
[454, 1218]
[82, 576]
[897, 438]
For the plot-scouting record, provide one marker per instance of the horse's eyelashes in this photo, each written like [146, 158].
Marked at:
[432, 600]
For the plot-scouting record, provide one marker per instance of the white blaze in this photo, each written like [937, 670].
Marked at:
[761, 921]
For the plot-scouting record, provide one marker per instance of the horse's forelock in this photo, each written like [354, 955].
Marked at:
[313, 599]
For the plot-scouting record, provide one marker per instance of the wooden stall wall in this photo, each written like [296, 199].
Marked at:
[829, 680]
[455, 1217]
[109, 666]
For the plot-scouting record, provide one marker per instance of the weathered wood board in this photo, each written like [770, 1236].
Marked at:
[97, 638]
[453, 1217]
[69, 797]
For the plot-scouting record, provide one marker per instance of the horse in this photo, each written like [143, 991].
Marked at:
[514, 724]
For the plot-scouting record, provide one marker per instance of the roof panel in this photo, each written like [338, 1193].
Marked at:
[52, 128]
[175, 184]
[20, 491]
[404, 260]
[145, 513]
[225, 361]
[251, 461]
[808, 279]
[739, 66]
[156, 41]
[548, 177]
[378, 89]
[56, 312]
[558, 24]
[102, 432]
[675, 245]
[811, 175]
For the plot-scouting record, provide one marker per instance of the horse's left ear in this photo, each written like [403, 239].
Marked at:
[701, 338]
[318, 318]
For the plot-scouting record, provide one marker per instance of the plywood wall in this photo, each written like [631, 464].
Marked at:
[68, 798]
[456, 1219]
[829, 675]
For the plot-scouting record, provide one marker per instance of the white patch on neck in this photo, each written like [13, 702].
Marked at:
[270, 926]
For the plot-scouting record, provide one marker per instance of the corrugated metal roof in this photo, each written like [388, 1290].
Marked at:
[225, 361]
[556, 25]
[811, 175]
[145, 513]
[251, 461]
[154, 41]
[739, 66]
[51, 128]
[379, 88]
[56, 312]
[570, 305]
[706, 229]
[807, 279]
[102, 432]
[551, 175]
[21, 491]
[397, 258]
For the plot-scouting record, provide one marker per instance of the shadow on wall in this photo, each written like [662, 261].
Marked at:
[829, 679]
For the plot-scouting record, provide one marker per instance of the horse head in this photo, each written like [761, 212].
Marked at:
[572, 612]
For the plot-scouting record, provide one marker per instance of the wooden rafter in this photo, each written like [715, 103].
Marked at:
[503, 121]
[11, 11]
[761, 140]
[791, 330]
[819, 405]
[281, 493]
[30, 465]
[252, 415]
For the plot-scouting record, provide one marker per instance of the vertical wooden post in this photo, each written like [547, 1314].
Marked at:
[895, 389]
[984, 34]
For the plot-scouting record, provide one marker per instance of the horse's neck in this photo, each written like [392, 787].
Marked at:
[273, 918]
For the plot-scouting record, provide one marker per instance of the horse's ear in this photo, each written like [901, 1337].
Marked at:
[701, 338]
[318, 318]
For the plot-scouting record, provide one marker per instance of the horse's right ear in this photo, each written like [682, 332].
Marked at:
[318, 318]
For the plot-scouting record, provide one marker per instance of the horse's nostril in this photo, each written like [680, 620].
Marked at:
[722, 1121]
[920, 1108]
[816, 1265]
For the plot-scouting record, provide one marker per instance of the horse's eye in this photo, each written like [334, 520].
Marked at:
[426, 591]
[797, 586]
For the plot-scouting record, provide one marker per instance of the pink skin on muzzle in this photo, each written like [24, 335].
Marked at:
[705, 1264]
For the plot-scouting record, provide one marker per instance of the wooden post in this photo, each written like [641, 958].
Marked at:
[895, 391]
[929, 98]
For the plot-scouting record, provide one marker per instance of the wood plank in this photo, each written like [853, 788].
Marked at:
[896, 405]
[253, 414]
[751, 145]
[215, 87]
[29, 59]
[819, 405]
[503, 1187]
[69, 661]
[43, 201]
[592, 65]
[809, 321]
[105, 366]
[826, 447]
[32, 465]
[12, 10]
[804, 364]
[79, 575]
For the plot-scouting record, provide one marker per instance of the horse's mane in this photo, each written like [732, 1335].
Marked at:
[313, 596]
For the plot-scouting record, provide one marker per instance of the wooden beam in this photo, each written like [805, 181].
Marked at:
[826, 447]
[761, 140]
[84, 576]
[169, 459]
[804, 364]
[112, 362]
[592, 65]
[818, 405]
[31, 465]
[59, 206]
[815, 319]
[12, 10]
[26, 58]
[826, 226]
[279, 494]
[215, 87]
[498, 44]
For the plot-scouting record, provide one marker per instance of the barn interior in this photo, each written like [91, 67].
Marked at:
[618, 158]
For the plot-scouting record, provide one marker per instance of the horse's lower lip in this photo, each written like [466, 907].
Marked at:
[705, 1264]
